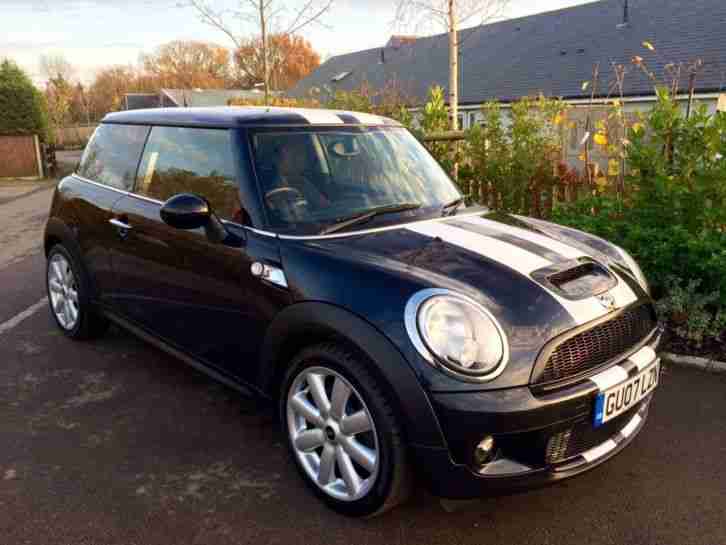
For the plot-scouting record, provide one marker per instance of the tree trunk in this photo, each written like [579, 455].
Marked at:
[454, 79]
[265, 67]
[453, 66]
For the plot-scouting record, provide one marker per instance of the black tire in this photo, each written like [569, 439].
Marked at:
[394, 480]
[90, 324]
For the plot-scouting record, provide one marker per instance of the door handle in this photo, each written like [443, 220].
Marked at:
[123, 228]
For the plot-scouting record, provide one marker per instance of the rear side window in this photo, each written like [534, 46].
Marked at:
[186, 160]
[112, 155]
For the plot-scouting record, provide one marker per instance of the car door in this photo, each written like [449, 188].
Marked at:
[197, 295]
[105, 173]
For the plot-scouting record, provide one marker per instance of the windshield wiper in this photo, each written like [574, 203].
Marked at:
[365, 216]
[449, 209]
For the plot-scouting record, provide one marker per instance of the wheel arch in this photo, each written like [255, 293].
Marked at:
[306, 324]
[58, 232]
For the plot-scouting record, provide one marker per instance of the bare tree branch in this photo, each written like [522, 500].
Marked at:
[214, 18]
[263, 16]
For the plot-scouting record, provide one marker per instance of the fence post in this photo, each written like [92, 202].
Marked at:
[38, 157]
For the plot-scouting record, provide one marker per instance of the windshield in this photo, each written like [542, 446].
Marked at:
[312, 179]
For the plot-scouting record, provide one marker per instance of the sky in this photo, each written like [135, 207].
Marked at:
[91, 34]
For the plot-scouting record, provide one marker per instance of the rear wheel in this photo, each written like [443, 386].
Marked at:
[343, 433]
[69, 296]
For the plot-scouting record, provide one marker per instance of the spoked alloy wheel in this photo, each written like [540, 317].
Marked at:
[332, 433]
[63, 292]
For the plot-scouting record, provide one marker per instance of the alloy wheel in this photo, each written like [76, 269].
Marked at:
[332, 433]
[63, 290]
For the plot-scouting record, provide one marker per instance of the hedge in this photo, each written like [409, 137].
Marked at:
[22, 107]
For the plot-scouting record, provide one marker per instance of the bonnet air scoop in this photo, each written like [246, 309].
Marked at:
[577, 279]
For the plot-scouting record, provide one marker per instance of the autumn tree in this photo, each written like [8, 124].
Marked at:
[59, 90]
[267, 17]
[188, 65]
[290, 58]
[108, 90]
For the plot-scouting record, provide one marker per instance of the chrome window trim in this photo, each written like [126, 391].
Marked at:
[410, 318]
[99, 184]
[294, 237]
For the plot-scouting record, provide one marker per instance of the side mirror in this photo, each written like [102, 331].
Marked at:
[186, 211]
[189, 211]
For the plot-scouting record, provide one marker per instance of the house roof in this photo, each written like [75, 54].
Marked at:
[244, 116]
[138, 101]
[208, 97]
[551, 53]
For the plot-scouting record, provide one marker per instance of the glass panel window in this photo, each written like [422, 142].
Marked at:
[185, 160]
[311, 179]
[112, 155]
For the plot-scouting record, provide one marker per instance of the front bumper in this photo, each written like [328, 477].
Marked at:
[541, 437]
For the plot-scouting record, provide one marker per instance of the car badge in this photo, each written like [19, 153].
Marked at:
[607, 301]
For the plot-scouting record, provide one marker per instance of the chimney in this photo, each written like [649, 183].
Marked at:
[626, 15]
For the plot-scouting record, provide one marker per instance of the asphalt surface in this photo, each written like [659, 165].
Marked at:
[113, 442]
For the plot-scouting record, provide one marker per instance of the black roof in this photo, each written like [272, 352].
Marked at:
[243, 116]
[552, 53]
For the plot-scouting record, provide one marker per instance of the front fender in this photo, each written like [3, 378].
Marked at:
[301, 323]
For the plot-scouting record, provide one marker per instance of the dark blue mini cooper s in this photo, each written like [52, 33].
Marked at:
[324, 261]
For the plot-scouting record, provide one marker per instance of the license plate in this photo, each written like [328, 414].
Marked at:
[618, 399]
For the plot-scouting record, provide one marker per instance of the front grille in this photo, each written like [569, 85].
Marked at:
[600, 344]
[582, 436]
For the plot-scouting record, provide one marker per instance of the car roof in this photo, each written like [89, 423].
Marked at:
[245, 116]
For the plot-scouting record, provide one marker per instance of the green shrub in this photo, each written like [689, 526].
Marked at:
[22, 109]
[691, 313]
[673, 218]
[518, 161]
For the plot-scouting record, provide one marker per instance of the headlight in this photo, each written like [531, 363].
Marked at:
[456, 334]
[635, 269]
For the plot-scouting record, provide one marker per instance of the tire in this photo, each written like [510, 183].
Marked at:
[69, 296]
[320, 441]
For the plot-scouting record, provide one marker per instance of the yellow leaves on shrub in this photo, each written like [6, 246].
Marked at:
[613, 167]
[559, 118]
[601, 182]
[583, 157]
[637, 127]
[601, 139]
[648, 46]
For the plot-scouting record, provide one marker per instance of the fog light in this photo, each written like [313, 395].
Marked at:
[484, 451]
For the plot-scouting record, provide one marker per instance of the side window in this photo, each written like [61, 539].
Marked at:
[185, 160]
[112, 155]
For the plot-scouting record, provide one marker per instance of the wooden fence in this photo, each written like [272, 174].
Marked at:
[20, 157]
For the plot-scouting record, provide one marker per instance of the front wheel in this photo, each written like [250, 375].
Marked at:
[343, 433]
